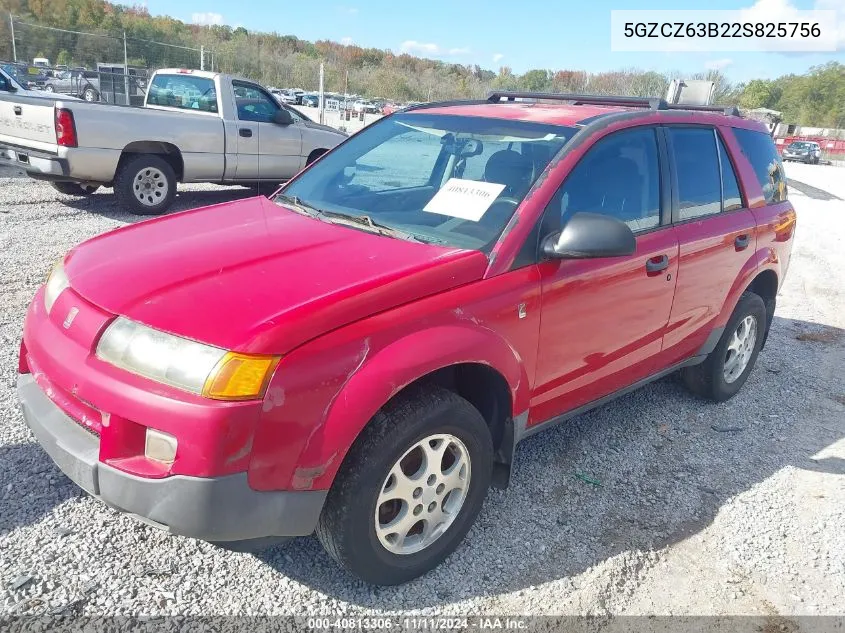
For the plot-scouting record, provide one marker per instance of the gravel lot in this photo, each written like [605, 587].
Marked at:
[690, 517]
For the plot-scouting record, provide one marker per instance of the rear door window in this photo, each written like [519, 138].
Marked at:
[731, 198]
[696, 161]
[760, 151]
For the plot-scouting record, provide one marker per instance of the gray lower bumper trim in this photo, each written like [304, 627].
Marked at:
[211, 509]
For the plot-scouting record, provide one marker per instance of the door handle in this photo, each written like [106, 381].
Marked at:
[741, 242]
[245, 132]
[656, 264]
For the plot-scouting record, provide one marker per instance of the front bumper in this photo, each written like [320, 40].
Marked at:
[217, 509]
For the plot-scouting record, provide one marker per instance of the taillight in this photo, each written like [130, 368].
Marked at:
[65, 128]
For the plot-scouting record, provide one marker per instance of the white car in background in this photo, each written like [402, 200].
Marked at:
[284, 97]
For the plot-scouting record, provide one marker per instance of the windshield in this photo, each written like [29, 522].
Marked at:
[802, 145]
[444, 179]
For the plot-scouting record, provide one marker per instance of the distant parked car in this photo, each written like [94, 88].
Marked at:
[10, 85]
[311, 100]
[803, 151]
[29, 77]
[283, 96]
[365, 106]
[83, 84]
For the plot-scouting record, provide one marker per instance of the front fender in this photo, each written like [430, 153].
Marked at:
[329, 395]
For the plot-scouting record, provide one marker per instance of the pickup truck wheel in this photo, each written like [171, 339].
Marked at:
[409, 489]
[145, 185]
[74, 188]
[727, 367]
[90, 95]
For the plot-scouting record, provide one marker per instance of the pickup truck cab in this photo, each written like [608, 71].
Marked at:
[361, 354]
[195, 126]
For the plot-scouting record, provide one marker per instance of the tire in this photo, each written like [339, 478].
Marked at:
[347, 525]
[74, 188]
[145, 172]
[712, 379]
[315, 155]
[49, 88]
[89, 94]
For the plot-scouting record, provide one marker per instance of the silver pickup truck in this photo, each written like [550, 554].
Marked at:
[195, 126]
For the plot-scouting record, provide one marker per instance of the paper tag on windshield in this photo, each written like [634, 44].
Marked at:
[465, 199]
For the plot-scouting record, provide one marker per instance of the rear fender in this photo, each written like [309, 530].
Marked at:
[763, 259]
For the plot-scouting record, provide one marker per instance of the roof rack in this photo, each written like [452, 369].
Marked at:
[652, 103]
[638, 102]
[726, 110]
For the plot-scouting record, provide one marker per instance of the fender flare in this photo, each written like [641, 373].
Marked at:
[381, 375]
[762, 260]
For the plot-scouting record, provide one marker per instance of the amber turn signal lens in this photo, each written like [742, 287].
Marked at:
[240, 377]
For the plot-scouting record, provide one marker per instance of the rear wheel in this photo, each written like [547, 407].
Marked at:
[74, 188]
[90, 95]
[727, 367]
[49, 88]
[145, 185]
[410, 488]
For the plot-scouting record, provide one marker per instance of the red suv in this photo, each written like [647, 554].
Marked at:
[361, 354]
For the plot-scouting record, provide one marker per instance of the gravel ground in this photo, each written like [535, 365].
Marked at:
[688, 517]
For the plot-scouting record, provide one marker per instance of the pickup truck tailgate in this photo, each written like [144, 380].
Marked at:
[28, 122]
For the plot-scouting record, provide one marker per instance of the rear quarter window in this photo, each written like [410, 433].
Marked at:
[760, 151]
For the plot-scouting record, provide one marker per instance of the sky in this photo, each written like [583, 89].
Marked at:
[549, 34]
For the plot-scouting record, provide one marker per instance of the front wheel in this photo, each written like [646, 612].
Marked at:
[727, 367]
[90, 95]
[49, 88]
[410, 488]
[145, 185]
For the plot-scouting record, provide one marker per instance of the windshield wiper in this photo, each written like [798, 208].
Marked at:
[376, 227]
[299, 205]
[336, 217]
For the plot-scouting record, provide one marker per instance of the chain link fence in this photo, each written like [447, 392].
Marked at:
[92, 66]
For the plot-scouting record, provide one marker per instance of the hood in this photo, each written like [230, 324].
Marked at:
[253, 276]
[326, 128]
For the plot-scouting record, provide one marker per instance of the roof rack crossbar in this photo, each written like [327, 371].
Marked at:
[653, 103]
[726, 110]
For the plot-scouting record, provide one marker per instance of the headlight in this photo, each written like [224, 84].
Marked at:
[56, 282]
[183, 363]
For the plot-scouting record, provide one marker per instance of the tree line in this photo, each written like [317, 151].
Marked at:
[815, 98]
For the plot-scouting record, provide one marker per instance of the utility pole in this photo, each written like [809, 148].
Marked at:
[12, 25]
[322, 102]
[202, 57]
[125, 70]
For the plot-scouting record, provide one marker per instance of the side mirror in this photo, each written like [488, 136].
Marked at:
[282, 117]
[588, 235]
